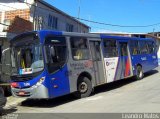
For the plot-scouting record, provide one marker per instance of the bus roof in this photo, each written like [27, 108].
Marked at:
[102, 36]
[44, 33]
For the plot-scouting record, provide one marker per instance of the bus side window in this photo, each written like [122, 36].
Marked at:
[143, 47]
[134, 47]
[79, 47]
[110, 48]
[95, 50]
[151, 47]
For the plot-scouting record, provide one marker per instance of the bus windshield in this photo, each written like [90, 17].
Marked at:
[27, 59]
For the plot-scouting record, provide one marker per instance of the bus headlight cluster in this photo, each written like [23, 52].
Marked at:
[41, 80]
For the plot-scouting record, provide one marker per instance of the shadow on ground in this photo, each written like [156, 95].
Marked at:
[120, 83]
[69, 98]
[7, 111]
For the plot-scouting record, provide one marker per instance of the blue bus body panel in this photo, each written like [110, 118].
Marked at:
[42, 34]
[113, 37]
[59, 83]
[148, 61]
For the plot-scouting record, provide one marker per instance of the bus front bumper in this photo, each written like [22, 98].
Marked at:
[40, 92]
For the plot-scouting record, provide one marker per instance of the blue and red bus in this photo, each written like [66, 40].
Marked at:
[49, 64]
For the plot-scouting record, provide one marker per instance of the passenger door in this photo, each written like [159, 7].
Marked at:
[125, 60]
[111, 59]
[97, 61]
[56, 53]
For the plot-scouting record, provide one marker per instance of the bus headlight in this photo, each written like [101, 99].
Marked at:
[41, 80]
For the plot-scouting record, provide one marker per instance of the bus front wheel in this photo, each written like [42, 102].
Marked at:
[139, 73]
[84, 88]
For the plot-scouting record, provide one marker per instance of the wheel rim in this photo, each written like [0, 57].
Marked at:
[83, 87]
[140, 73]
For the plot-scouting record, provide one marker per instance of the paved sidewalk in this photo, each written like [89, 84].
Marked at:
[13, 102]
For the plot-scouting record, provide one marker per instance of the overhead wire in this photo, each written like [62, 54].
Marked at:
[86, 20]
[96, 22]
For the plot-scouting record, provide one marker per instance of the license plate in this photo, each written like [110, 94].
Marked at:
[21, 93]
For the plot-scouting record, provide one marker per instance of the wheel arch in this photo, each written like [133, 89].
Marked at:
[138, 65]
[85, 74]
[89, 81]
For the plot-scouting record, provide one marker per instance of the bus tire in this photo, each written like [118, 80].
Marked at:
[84, 88]
[139, 72]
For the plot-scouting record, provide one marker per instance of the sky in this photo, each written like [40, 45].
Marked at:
[116, 12]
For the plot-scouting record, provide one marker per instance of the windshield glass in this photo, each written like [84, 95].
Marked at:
[27, 59]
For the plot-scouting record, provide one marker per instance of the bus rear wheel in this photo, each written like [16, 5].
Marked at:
[139, 73]
[84, 88]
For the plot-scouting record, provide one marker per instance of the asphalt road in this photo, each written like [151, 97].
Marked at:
[124, 96]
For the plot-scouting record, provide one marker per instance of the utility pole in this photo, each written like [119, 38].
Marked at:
[34, 15]
[79, 10]
[153, 31]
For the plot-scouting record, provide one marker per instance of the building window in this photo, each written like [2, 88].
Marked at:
[69, 27]
[52, 22]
